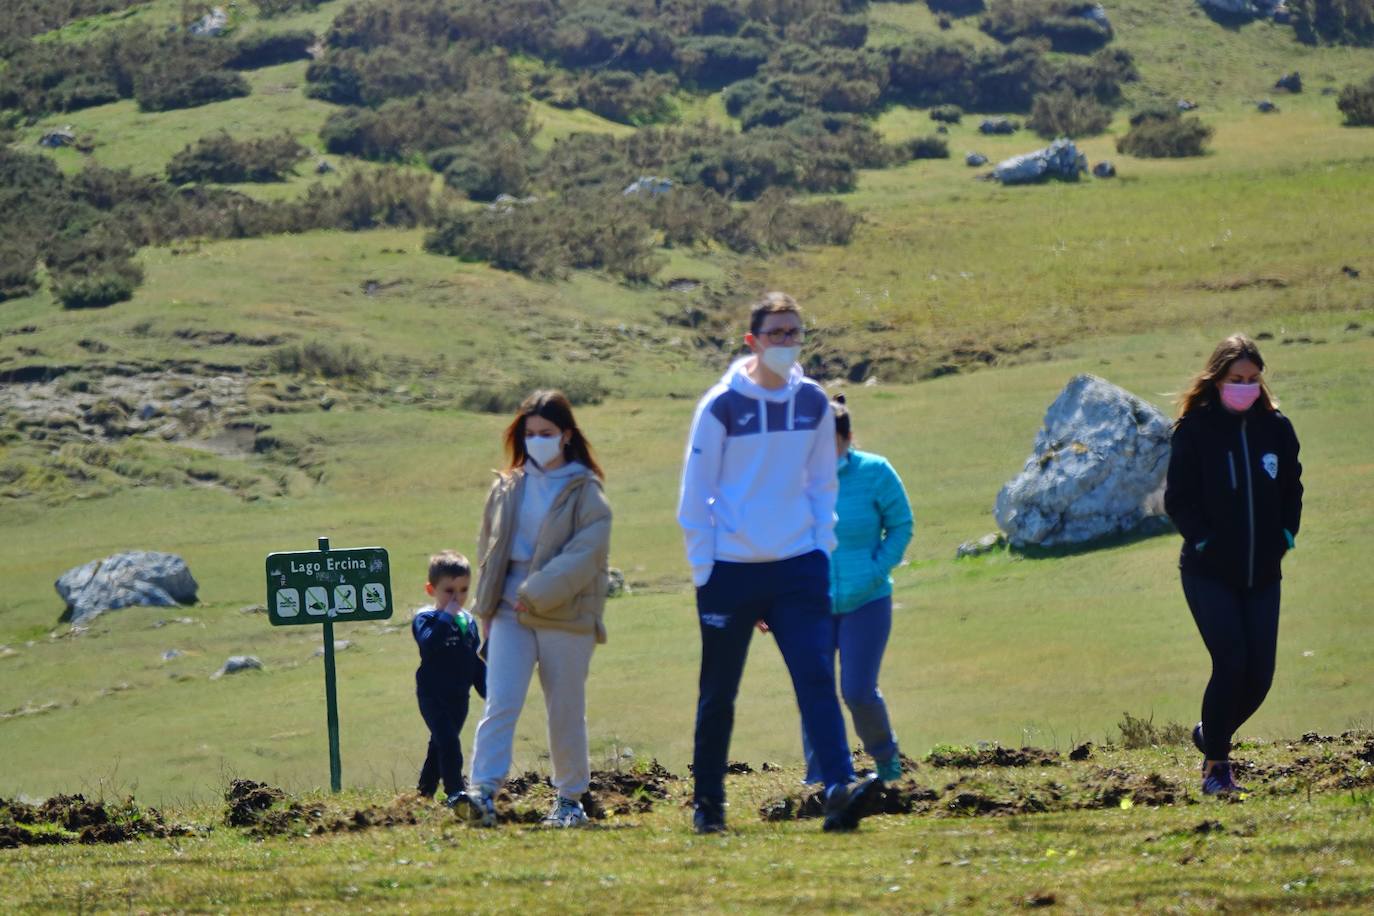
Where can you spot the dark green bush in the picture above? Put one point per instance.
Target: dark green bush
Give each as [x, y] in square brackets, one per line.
[1344, 22]
[1059, 21]
[221, 158]
[483, 171]
[1164, 135]
[84, 291]
[270, 49]
[406, 67]
[949, 114]
[1063, 114]
[403, 128]
[1356, 102]
[18, 275]
[931, 147]
[267, 9]
[178, 85]
[620, 95]
[956, 7]
[714, 61]
[366, 201]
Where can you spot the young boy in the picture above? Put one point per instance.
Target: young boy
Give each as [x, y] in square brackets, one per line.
[448, 640]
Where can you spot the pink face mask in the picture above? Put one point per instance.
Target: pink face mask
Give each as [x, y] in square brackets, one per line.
[1239, 397]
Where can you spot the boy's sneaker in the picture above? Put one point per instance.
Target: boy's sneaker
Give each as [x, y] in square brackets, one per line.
[890, 769]
[709, 816]
[847, 805]
[1197, 738]
[1219, 781]
[566, 812]
[479, 810]
[457, 798]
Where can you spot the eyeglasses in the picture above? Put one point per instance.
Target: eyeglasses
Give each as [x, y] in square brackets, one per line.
[783, 335]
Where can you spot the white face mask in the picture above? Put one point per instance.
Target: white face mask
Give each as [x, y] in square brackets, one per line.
[780, 359]
[543, 449]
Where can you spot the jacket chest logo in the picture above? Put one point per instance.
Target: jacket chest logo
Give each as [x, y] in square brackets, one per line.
[1270, 462]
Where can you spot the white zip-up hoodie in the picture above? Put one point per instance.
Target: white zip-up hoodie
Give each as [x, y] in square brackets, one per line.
[758, 481]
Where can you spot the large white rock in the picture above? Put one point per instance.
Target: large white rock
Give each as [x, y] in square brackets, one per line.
[138, 577]
[1097, 469]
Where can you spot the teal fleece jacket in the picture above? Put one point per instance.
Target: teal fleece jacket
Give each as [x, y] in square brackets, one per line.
[874, 525]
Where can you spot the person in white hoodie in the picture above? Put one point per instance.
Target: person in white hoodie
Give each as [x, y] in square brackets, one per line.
[757, 507]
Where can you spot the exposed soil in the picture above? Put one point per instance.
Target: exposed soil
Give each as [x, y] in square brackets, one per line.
[73, 819]
[971, 758]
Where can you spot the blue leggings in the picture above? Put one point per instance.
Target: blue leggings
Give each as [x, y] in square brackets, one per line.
[860, 638]
[793, 597]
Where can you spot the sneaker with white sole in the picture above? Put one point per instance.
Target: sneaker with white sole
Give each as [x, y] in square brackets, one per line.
[847, 805]
[566, 812]
[479, 809]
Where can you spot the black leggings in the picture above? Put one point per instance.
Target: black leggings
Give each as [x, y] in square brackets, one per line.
[1240, 627]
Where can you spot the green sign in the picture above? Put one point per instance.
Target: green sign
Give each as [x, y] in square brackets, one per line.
[314, 586]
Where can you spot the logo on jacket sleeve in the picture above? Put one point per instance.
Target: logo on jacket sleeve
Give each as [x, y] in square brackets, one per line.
[1270, 462]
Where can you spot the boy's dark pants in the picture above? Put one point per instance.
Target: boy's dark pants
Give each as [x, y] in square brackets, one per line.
[793, 597]
[444, 760]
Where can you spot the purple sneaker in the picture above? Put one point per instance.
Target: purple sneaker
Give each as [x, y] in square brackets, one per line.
[1220, 781]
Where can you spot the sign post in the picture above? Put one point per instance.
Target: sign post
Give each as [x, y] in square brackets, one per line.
[320, 586]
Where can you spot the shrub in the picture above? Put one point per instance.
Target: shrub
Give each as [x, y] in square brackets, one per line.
[1162, 135]
[177, 85]
[1356, 102]
[629, 98]
[219, 157]
[402, 128]
[17, 272]
[932, 147]
[1060, 21]
[714, 61]
[83, 291]
[485, 171]
[270, 49]
[956, 7]
[366, 201]
[1347, 22]
[495, 397]
[270, 8]
[1063, 114]
[322, 359]
[948, 114]
[406, 67]
[1139, 733]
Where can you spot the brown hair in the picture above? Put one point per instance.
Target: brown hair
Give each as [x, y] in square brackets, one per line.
[842, 427]
[1203, 390]
[448, 563]
[774, 303]
[554, 406]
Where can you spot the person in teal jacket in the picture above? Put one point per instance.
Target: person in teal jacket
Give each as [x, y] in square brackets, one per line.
[873, 526]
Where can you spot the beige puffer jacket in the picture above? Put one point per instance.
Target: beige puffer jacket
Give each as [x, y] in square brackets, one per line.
[569, 572]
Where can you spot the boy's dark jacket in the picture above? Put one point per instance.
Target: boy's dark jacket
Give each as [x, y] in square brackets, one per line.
[449, 665]
[1234, 486]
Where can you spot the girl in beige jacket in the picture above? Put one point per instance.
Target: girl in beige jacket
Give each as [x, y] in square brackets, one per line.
[541, 592]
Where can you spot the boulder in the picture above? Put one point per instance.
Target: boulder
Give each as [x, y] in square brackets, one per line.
[236, 663]
[1186, 105]
[1061, 159]
[57, 137]
[1291, 82]
[648, 184]
[615, 584]
[973, 160]
[1266, 107]
[142, 577]
[211, 24]
[1104, 169]
[1097, 469]
[998, 125]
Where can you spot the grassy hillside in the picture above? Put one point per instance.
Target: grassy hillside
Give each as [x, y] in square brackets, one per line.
[1132, 279]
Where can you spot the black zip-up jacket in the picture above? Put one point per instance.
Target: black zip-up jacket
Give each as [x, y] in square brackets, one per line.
[1234, 485]
[449, 664]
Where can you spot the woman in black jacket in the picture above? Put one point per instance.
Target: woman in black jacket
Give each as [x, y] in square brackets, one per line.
[1235, 492]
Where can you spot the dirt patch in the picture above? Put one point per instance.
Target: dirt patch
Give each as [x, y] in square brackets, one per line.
[73, 819]
[265, 810]
[896, 798]
[1234, 284]
[1111, 787]
[967, 758]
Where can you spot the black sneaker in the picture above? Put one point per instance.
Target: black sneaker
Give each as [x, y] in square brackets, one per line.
[709, 816]
[1197, 738]
[849, 804]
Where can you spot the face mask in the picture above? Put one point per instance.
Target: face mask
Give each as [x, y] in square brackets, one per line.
[1239, 397]
[780, 359]
[543, 449]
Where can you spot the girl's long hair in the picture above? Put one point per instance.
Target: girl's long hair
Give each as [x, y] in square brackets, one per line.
[1203, 390]
[554, 406]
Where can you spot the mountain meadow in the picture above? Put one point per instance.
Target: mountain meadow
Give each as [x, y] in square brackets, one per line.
[283, 270]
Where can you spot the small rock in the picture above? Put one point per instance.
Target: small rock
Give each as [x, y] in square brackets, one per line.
[1349, 271]
[1104, 169]
[323, 167]
[616, 586]
[171, 654]
[253, 609]
[236, 663]
[339, 646]
[998, 125]
[985, 544]
[1186, 105]
[1291, 82]
[57, 138]
[973, 160]
[1266, 107]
